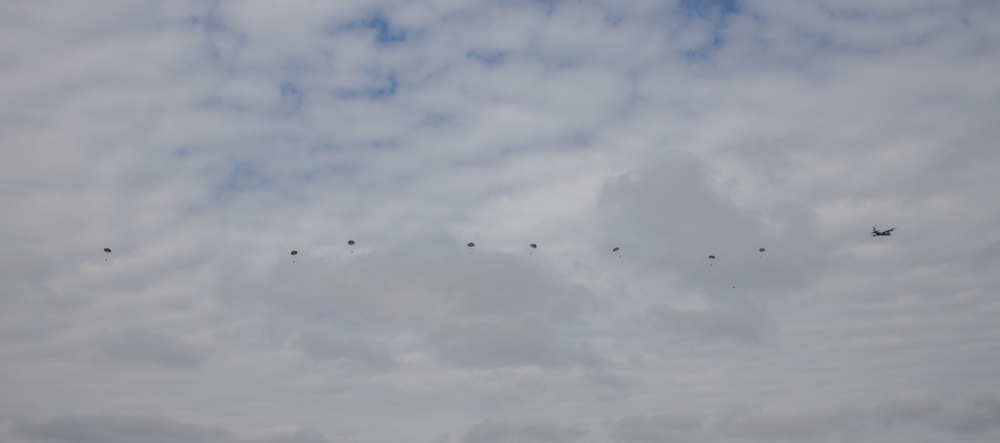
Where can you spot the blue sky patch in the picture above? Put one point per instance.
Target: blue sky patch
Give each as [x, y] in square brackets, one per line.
[386, 35]
[291, 98]
[329, 170]
[243, 177]
[436, 119]
[715, 13]
[712, 10]
[488, 58]
[385, 91]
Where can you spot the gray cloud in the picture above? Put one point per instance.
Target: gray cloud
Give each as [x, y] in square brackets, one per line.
[905, 409]
[608, 379]
[973, 414]
[110, 428]
[757, 426]
[36, 308]
[295, 435]
[936, 417]
[353, 353]
[740, 322]
[671, 217]
[153, 349]
[654, 428]
[113, 428]
[491, 431]
[476, 308]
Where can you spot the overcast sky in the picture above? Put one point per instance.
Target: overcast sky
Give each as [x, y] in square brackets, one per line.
[202, 141]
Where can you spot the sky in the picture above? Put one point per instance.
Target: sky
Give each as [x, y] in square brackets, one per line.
[202, 141]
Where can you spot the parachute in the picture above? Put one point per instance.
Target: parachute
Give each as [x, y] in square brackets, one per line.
[761, 250]
[351, 243]
[108, 250]
[711, 257]
[294, 253]
[471, 244]
[532, 246]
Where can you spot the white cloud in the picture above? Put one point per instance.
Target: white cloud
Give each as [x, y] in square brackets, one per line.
[202, 142]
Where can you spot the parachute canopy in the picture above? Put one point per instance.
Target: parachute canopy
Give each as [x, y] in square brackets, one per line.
[471, 244]
[711, 257]
[350, 242]
[107, 249]
[294, 252]
[533, 246]
[761, 249]
[615, 249]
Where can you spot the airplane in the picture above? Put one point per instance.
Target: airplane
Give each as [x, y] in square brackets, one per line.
[877, 233]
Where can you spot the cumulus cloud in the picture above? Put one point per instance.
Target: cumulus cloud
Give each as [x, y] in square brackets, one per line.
[676, 226]
[203, 141]
[672, 216]
[475, 308]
